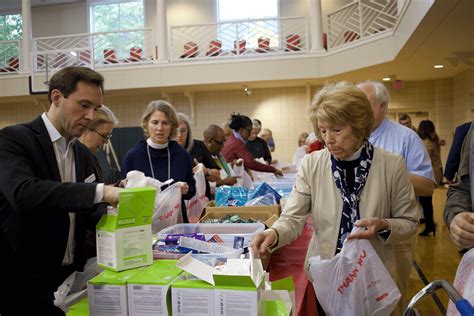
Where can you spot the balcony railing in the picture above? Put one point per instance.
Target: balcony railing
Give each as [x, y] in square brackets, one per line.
[360, 19]
[10, 52]
[93, 50]
[236, 39]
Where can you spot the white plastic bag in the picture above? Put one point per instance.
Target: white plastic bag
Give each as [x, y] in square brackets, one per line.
[243, 178]
[74, 288]
[354, 282]
[195, 206]
[167, 207]
[464, 281]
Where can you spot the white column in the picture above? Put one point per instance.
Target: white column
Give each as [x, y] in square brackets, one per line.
[161, 30]
[316, 29]
[27, 36]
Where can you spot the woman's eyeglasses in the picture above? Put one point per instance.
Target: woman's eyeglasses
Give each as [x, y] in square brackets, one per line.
[218, 142]
[106, 137]
[182, 130]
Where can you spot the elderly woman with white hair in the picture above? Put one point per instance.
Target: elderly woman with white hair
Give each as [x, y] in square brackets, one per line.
[349, 183]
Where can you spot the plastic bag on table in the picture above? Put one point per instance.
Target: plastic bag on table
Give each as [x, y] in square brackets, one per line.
[167, 208]
[354, 282]
[464, 281]
[231, 196]
[196, 205]
[74, 288]
[267, 199]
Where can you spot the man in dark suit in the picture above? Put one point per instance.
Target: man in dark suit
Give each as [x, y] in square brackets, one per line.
[454, 156]
[47, 192]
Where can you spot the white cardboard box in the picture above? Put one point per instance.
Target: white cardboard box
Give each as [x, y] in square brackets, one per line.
[148, 290]
[124, 238]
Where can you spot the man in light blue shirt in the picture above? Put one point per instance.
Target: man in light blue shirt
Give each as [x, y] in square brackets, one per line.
[399, 139]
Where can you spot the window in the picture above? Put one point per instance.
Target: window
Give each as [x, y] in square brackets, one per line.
[10, 30]
[229, 10]
[112, 16]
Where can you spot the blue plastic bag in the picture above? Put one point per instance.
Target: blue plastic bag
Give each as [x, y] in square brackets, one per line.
[263, 189]
[231, 196]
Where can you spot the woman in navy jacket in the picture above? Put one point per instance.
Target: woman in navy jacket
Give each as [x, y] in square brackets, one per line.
[158, 156]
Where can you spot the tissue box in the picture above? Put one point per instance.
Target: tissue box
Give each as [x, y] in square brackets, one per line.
[192, 296]
[237, 294]
[107, 293]
[81, 308]
[124, 239]
[148, 290]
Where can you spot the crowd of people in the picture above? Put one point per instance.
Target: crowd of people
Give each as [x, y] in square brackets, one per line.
[357, 168]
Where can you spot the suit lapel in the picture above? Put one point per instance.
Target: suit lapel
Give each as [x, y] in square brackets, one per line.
[47, 146]
[79, 162]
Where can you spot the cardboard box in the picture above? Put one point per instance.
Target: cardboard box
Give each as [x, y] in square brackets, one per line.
[107, 293]
[148, 290]
[273, 209]
[81, 308]
[267, 214]
[233, 294]
[192, 296]
[124, 239]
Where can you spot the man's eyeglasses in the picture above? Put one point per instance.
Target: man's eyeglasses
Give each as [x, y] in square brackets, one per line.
[106, 137]
[218, 142]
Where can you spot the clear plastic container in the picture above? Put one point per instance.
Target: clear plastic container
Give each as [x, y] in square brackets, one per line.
[226, 232]
[208, 258]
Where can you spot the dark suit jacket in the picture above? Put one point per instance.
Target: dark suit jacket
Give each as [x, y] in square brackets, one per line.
[454, 156]
[34, 219]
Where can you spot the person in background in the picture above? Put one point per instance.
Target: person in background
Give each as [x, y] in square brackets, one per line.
[256, 145]
[159, 156]
[301, 150]
[313, 143]
[227, 130]
[454, 156]
[458, 212]
[402, 141]
[405, 120]
[267, 136]
[234, 147]
[427, 132]
[47, 192]
[198, 152]
[97, 134]
[214, 139]
[349, 183]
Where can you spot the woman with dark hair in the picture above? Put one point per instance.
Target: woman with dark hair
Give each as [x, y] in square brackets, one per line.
[427, 132]
[234, 147]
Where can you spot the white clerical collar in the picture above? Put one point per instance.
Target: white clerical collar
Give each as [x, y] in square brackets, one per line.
[155, 145]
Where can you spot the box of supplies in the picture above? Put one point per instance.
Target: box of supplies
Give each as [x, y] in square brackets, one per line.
[124, 239]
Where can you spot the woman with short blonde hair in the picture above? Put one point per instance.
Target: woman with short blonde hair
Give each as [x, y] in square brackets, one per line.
[159, 156]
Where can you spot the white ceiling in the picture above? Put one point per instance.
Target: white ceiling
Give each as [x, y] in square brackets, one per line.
[445, 32]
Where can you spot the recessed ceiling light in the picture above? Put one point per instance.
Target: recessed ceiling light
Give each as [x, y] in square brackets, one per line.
[438, 66]
[386, 79]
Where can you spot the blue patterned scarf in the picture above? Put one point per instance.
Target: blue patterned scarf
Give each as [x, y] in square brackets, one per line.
[350, 198]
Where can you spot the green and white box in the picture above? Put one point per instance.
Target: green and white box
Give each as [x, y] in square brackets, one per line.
[148, 290]
[107, 293]
[237, 288]
[236, 295]
[124, 239]
[192, 296]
